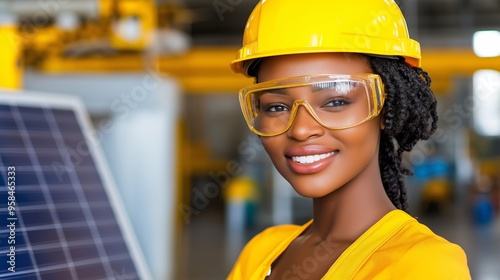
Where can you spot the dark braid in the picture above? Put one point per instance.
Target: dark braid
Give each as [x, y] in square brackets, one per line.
[409, 116]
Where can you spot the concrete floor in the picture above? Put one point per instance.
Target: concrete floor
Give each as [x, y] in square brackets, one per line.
[208, 256]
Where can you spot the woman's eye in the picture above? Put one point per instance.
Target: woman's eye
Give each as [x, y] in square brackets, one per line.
[337, 103]
[276, 108]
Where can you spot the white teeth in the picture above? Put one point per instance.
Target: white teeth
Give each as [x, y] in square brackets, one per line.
[312, 158]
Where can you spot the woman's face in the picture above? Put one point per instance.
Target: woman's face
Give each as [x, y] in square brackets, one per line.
[342, 155]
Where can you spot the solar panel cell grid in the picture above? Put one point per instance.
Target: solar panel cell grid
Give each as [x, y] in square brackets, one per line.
[65, 225]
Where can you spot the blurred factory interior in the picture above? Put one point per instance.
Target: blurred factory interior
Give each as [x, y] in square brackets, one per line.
[154, 78]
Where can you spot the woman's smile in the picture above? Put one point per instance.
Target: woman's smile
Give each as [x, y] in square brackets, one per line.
[310, 159]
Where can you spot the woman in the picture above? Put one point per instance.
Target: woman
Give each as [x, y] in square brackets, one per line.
[339, 96]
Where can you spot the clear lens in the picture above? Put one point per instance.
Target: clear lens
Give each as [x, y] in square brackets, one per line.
[335, 101]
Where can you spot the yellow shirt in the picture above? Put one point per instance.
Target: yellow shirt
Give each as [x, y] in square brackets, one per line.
[396, 247]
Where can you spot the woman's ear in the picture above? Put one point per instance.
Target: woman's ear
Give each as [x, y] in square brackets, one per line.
[382, 119]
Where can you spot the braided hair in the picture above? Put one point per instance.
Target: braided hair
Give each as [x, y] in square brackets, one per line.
[409, 116]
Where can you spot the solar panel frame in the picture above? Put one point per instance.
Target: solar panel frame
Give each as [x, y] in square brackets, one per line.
[73, 104]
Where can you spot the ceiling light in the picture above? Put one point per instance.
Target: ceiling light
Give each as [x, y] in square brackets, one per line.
[487, 43]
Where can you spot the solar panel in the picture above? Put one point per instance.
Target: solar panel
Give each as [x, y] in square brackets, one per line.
[60, 214]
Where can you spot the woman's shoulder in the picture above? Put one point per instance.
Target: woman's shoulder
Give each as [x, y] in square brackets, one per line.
[422, 238]
[398, 246]
[438, 257]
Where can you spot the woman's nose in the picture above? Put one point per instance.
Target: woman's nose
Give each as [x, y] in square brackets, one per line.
[305, 126]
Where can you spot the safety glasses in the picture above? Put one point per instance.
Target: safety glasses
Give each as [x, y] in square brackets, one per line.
[334, 101]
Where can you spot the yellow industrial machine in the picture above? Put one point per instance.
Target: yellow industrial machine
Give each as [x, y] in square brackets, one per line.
[41, 32]
[133, 25]
[10, 57]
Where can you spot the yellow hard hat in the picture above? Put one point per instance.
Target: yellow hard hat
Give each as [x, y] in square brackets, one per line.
[281, 27]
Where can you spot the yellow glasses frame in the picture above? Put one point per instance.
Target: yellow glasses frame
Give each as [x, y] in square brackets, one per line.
[373, 84]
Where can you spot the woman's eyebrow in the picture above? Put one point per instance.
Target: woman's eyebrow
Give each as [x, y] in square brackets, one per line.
[275, 91]
[321, 86]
